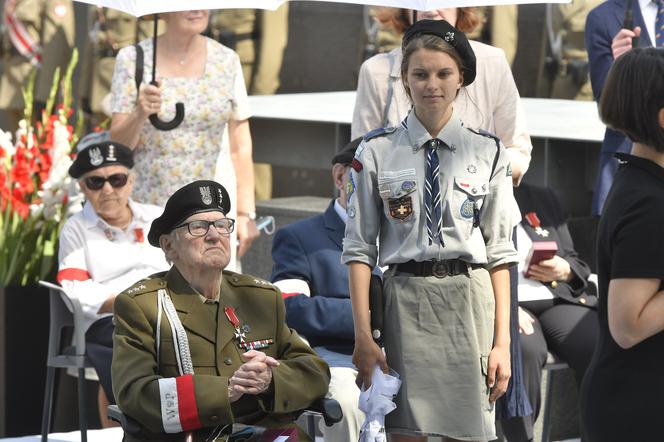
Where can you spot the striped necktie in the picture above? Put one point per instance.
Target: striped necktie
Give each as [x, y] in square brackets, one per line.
[659, 24]
[432, 193]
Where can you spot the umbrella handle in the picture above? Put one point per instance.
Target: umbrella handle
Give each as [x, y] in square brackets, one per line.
[168, 125]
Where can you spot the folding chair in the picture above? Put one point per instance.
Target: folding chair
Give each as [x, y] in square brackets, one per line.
[66, 314]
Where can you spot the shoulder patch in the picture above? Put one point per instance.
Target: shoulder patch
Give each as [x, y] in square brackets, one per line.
[240, 280]
[378, 133]
[147, 285]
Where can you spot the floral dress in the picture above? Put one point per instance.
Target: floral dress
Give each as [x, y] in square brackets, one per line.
[167, 160]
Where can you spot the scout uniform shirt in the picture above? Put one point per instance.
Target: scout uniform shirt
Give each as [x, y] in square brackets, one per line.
[386, 198]
[149, 386]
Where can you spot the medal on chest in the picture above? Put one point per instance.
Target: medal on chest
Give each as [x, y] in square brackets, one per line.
[533, 220]
[241, 331]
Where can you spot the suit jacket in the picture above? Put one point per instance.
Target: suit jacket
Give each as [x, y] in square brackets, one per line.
[150, 389]
[545, 204]
[602, 24]
[310, 250]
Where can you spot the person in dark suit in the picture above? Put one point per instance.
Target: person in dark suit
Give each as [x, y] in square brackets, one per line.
[556, 311]
[606, 40]
[314, 282]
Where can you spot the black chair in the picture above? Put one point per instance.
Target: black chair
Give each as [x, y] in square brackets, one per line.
[66, 316]
[329, 409]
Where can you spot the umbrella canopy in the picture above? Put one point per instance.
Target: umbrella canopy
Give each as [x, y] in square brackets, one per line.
[139, 8]
[428, 5]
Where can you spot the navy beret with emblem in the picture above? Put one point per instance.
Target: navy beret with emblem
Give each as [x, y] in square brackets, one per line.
[453, 37]
[347, 153]
[102, 154]
[197, 197]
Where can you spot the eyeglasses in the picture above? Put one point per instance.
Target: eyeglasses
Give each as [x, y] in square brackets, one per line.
[116, 180]
[224, 226]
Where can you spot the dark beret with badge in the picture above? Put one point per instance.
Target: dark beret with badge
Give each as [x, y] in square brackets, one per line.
[96, 155]
[197, 197]
[452, 36]
[347, 153]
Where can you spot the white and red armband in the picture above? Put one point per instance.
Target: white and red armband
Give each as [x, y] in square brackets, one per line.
[179, 411]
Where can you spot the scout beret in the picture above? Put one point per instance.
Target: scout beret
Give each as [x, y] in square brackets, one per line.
[452, 36]
[197, 197]
[347, 153]
[96, 155]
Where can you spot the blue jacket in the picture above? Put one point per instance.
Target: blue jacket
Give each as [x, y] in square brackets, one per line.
[310, 250]
[602, 24]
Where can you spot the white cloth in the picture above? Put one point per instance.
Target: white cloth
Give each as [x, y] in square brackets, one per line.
[649, 13]
[97, 260]
[376, 402]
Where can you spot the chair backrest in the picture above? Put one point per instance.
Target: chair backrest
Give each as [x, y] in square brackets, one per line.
[66, 313]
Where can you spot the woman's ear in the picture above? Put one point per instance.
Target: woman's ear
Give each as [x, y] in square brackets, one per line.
[660, 118]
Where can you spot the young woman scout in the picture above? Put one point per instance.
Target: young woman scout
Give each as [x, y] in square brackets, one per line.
[437, 197]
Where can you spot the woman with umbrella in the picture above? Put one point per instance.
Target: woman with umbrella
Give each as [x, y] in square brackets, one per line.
[207, 78]
[437, 197]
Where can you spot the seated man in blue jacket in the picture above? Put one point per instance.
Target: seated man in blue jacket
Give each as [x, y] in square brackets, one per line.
[314, 283]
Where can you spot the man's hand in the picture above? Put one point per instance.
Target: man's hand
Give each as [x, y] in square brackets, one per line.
[247, 232]
[499, 371]
[253, 377]
[554, 269]
[366, 355]
[525, 322]
[622, 42]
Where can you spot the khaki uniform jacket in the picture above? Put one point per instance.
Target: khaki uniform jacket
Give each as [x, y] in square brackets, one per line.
[491, 102]
[153, 392]
[98, 62]
[51, 23]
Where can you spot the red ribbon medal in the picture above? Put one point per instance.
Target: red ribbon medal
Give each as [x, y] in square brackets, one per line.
[235, 322]
[534, 222]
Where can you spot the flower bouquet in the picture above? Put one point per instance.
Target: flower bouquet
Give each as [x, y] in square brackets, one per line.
[36, 192]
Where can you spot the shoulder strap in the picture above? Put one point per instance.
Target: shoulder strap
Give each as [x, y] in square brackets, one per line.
[138, 75]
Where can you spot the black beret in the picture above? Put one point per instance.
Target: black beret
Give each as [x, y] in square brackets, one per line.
[452, 36]
[197, 197]
[96, 155]
[347, 153]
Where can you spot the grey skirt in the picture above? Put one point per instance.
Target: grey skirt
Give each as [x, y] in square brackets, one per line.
[438, 335]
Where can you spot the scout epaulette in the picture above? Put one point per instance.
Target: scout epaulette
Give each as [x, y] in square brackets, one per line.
[497, 141]
[378, 133]
[150, 284]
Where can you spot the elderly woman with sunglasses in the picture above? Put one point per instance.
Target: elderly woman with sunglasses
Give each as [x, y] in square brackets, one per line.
[103, 248]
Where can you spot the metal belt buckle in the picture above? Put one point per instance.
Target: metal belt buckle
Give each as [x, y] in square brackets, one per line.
[439, 269]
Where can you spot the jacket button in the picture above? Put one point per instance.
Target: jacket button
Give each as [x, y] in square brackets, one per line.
[214, 417]
[228, 361]
[582, 300]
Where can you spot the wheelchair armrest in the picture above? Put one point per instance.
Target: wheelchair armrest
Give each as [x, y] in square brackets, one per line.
[129, 425]
[329, 409]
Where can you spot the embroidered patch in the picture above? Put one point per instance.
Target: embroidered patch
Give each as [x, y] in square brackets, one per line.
[356, 165]
[408, 186]
[466, 210]
[350, 189]
[401, 208]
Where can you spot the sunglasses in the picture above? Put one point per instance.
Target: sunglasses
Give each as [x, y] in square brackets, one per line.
[97, 182]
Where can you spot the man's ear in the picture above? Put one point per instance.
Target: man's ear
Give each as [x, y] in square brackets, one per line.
[338, 171]
[166, 244]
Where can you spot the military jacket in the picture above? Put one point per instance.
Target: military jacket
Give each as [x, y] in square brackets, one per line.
[386, 200]
[51, 24]
[150, 388]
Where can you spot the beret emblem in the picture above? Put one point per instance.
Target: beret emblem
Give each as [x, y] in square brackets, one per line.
[111, 153]
[206, 195]
[95, 156]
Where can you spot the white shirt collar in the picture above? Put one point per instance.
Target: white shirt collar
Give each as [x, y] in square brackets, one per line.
[340, 211]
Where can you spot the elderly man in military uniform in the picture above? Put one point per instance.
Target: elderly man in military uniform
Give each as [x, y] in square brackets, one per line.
[197, 348]
[111, 31]
[36, 34]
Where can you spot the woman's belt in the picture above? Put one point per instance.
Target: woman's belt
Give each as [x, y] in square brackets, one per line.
[439, 269]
